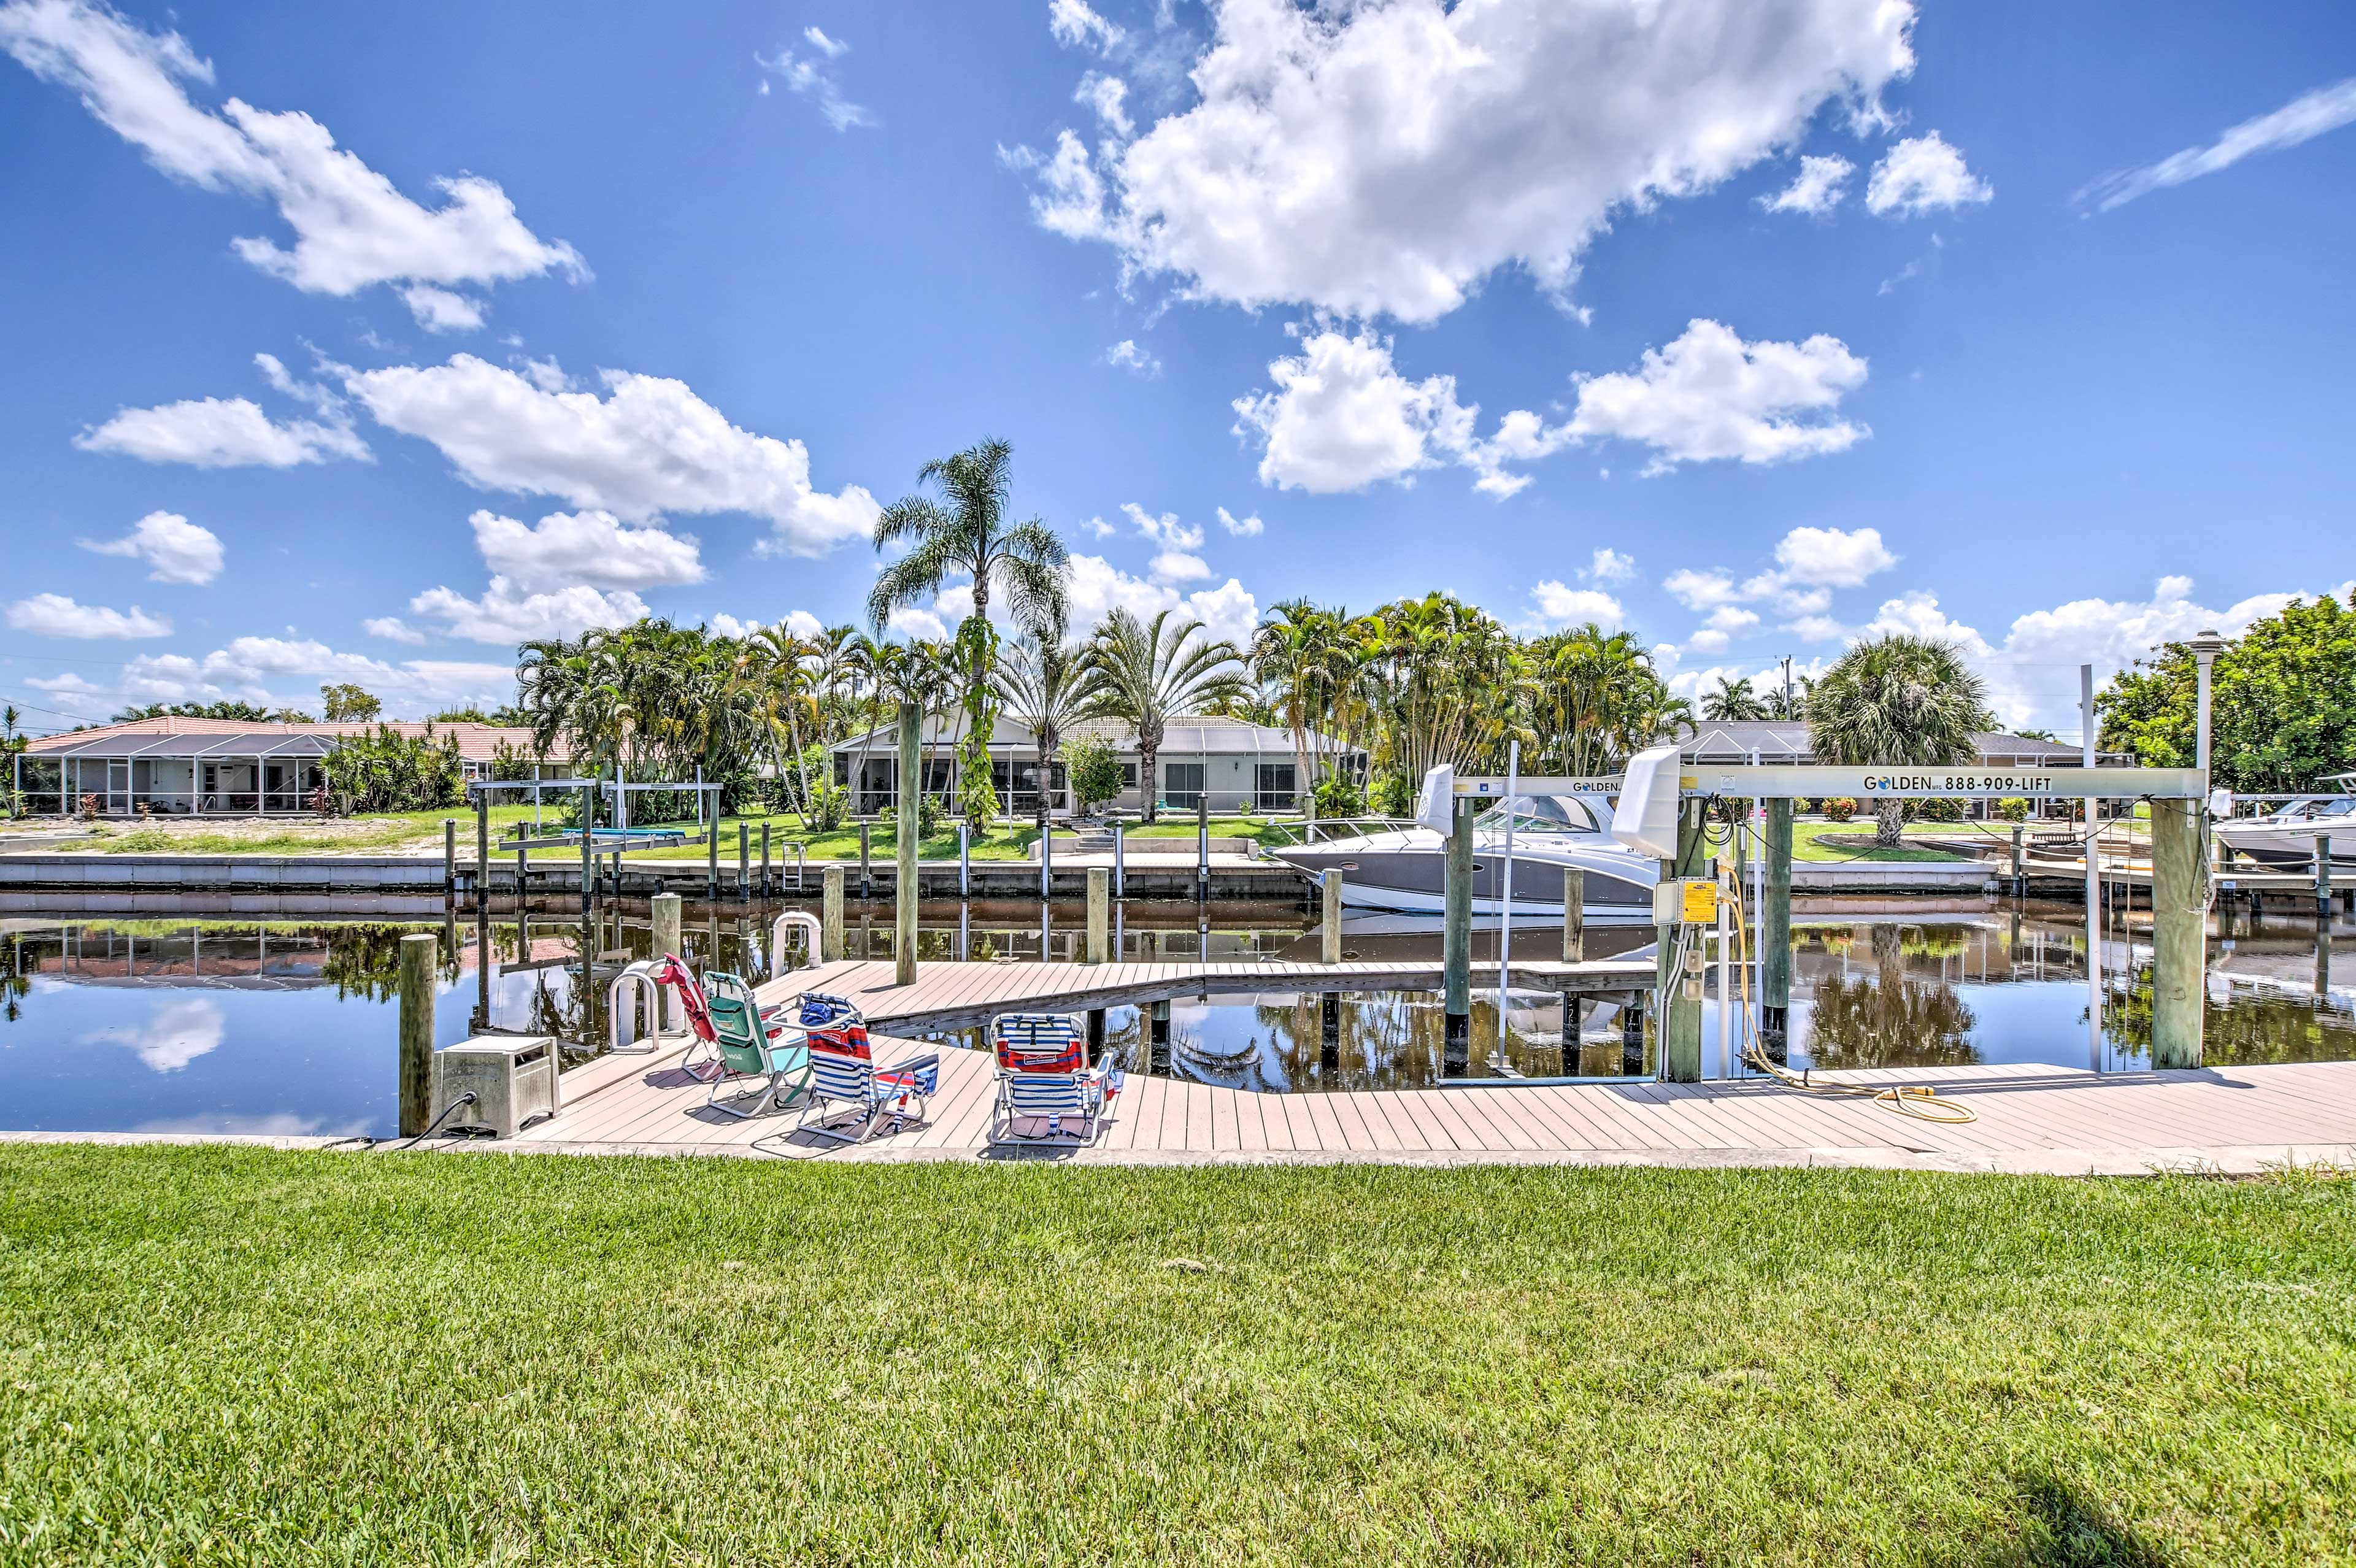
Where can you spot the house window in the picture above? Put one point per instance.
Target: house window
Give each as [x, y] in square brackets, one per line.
[1128, 777]
[1181, 784]
[1275, 789]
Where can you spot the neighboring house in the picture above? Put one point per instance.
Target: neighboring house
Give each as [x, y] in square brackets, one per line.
[219, 766]
[1241, 766]
[1777, 741]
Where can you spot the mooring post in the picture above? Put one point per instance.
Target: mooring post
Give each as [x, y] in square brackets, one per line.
[1331, 946]
[1775, 935]
[905, 835]
[418, 962]
[830, 933]
[2323, 878]
[866, 872]
[744, 859]
[2179, 946]
[1456, 936]
[1631, 1034]
[965, 858]
[482, 909]
[449, 862]
[668, 922]
[1119, 874]
[711, 861]
[2019, 865]
[765, 860]
[1159, 1034]
[1046, 857]
[1099, 915]
[523, 877]
[1678, 1028]
[1574, 915]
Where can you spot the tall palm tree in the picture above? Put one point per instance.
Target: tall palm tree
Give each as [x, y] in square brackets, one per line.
[968, 532]
[1307, 662]
[1734, 702]
[1900, 700]
[1040, 682]
[1146, 673]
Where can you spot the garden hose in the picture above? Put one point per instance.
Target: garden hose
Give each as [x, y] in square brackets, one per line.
[1917, 1100]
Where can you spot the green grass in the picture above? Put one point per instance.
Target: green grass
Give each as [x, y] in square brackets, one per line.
[232, 1356]
[1805, 848]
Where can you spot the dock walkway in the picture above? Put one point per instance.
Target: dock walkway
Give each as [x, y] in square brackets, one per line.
[2031, 1118]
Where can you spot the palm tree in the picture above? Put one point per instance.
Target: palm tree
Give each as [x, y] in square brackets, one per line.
[1308, 662]
[1040, 682]
[1145, 674]
[1900, 700]
[968, 532]
[1732, 702]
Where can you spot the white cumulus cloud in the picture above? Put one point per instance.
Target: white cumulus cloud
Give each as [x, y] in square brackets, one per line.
[1373, 159]
[1709, 394]
[1922, 174]
[176, 550]
[1558, 605]
[649, 446]
[594, 548]
[1129, 356]
[796, 622]
[1098, 588]
[1242, 527]
[1609, 565]
[352, 229]
[1073, 23]
[1816, 190]
[289, 670]
[55, 615]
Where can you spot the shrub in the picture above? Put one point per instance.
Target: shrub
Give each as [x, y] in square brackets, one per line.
[977, 798]
[1394, 794]
[384, 770]
[928, 816]
[1339, 796]
[2013, 808]
[1841, 810]
[1093, 770]
[1937, 809]
[828, 804]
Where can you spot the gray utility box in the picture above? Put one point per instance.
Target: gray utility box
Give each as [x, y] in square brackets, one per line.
[512, 1077]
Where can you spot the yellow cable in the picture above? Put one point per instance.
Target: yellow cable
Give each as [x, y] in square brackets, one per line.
[1917, 1100]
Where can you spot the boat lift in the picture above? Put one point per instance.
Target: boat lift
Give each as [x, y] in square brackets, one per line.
[1661, 811]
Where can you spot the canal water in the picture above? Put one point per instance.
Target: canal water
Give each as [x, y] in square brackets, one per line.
[289, 1027]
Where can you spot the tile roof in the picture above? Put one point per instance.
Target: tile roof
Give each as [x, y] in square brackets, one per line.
[175, 736]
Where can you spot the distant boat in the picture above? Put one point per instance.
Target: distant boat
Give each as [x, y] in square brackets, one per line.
[1402, 866]
[2287, 835]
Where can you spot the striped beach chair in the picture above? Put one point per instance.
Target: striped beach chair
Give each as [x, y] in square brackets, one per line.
[746, 1054]
[851, 1098]
[1048, 1092]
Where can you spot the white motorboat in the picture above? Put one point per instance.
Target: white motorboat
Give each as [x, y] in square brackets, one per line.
[1402, 866]
[2287, 835]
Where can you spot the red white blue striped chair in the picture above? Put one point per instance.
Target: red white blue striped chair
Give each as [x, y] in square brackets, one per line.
[851, 1098]
[1048, 1092]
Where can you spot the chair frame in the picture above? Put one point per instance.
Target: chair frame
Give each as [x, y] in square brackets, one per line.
[1025, 1091]
[877, 1095]
[784, 1073]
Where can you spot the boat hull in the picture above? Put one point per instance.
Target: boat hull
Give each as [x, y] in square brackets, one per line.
[1413, 879]
[2290, 844]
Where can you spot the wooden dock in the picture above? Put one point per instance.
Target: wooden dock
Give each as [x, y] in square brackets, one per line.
[2031, 1118]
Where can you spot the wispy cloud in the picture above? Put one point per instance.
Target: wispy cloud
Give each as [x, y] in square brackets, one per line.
[811, 78]
[2301, 120]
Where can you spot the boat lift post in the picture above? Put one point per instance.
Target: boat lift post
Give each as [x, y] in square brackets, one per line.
[1671, 827]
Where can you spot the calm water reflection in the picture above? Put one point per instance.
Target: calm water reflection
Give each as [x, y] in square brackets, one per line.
[289, 1027]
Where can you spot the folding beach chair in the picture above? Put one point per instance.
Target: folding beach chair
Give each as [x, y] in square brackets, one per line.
[1048, 1092]
[851, 1098]
[743, 1046]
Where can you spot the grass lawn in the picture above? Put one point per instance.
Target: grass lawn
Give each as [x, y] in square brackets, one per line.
[1005, 842]
[236, 1356]
[1805, 845]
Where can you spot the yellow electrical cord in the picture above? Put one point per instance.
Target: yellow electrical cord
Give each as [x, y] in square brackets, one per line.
[1917, 1100]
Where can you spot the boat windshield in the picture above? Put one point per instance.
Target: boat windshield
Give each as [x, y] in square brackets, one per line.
[1542, 813]
[2293, 811]
[2336, 808]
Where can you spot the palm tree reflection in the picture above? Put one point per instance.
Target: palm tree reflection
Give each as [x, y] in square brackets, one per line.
[1890, 1021]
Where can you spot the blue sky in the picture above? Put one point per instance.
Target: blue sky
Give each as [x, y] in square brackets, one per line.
[361, 343]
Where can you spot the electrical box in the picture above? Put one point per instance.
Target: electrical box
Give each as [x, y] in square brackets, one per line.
[512, 1077]
[1691, 900]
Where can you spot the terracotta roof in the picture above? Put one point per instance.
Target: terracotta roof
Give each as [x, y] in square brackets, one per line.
[476, 742]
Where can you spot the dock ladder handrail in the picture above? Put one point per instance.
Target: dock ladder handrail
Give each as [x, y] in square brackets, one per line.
[793, 919]
[635, 991]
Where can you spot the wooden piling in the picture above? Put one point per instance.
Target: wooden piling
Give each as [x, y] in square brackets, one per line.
[1331, 948]
[1100, 914]
[2323, 878]
[418, 962]
[744, 859]
[2179, 946]
[829, 920]
[667, 923]
[765, 861]
[449, 862]
[1678, 1028]
[905, 837]
[711, 861]
[1574, 915]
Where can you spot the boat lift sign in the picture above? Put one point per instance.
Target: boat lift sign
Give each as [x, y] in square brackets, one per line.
[1785, 783]
[1774, 783]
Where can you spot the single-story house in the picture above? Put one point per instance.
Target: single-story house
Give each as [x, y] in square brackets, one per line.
[1787, 742]
[1240, 767]
[219, 766]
